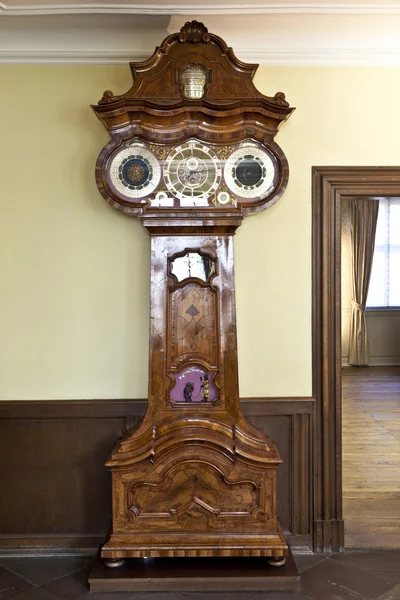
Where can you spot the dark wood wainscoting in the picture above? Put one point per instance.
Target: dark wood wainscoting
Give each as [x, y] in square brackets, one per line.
[55, 490]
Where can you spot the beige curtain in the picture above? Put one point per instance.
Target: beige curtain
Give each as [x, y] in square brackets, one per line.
[363, 219]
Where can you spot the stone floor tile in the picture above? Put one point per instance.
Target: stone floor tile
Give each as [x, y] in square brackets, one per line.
[367, 575]
[280, 596]
[43, 570]
[217, 595]
[385, 563]
[35, 593]
[11, 584]
[108, 596]
[160, 596]
[332, 580]
[71, 586]
[393, 594]
[305, 561]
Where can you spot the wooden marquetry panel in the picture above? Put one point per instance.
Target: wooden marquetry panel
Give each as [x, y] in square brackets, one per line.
[194, 495]
[193, 329]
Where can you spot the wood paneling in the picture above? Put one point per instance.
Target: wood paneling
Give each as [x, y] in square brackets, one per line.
[52, 456]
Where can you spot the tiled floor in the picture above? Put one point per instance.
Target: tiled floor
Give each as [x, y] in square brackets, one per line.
[369, 575]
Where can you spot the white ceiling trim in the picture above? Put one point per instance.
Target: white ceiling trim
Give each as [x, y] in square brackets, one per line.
[200, 9]
[314, 57]
[71, 57]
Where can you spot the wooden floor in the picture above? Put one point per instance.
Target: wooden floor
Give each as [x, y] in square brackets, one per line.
[371, 456]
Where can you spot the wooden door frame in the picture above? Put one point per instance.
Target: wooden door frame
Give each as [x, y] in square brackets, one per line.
[329, 186]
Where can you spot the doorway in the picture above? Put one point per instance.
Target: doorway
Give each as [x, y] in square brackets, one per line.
[371, 394]
[330, 186]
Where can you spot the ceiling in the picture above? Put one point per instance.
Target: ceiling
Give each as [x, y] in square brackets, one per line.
[275, 33]
[34, 7]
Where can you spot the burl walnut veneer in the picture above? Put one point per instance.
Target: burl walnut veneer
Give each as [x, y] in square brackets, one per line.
[192, 152]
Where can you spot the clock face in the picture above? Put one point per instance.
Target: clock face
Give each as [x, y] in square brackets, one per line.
[250, 171]
[192, 173]
[134, 171]
[143, 176]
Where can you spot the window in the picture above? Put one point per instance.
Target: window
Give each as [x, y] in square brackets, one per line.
[384, 287]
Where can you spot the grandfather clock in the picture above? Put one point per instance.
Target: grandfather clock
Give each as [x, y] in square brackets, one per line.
[192, 152]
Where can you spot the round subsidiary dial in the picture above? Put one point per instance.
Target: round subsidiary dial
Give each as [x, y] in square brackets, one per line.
[250, 172]
[192, 172]
[134, 171]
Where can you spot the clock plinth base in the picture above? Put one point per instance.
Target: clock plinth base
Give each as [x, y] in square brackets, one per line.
[195, 574]
[195, 488]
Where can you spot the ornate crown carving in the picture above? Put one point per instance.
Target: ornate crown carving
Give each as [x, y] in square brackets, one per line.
[108, 97]
[280, 99]
[194, 32]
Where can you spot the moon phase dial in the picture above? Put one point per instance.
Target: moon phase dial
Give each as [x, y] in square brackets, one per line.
[192, 173]
[250, 172]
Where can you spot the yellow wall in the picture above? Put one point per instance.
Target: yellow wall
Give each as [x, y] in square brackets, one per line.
[74, 272]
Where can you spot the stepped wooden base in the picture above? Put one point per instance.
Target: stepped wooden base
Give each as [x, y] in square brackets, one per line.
[194, 574]
[194, 488]
[195, 545]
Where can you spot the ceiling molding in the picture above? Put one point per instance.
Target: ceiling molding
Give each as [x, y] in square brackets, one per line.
[238, 8]
[71, 57]
[276, 39]
[314, 57]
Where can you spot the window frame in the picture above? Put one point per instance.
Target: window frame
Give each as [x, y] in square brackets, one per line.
[385, 308]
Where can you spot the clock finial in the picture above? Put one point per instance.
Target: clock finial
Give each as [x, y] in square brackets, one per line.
[194, 32]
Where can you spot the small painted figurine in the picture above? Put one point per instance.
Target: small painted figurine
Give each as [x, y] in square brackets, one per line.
[205, 388]
[188, 391]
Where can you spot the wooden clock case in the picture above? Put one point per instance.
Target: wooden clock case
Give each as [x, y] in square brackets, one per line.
[194, 478]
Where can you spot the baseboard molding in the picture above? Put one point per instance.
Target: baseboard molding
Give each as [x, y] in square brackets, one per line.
[18, 546]
[377, 361]
[88, 545]
[384, 361]
[300, 544]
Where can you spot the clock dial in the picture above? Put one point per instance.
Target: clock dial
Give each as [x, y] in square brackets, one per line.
[134, 171]
[223, 197]
[250, 171]
[192, 172]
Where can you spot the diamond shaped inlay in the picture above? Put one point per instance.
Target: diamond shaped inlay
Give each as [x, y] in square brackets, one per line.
[192, 311]
[193, 329]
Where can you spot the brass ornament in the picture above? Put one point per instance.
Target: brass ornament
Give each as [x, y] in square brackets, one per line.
[135, 173]
[193, 79]
[160, 151]
[222, 151]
